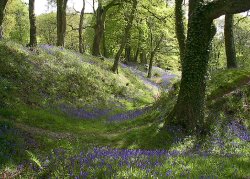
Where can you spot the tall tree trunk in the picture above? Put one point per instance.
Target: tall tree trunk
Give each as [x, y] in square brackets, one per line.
[229, 41]
[128, 53]
[152, 54]
[98, 29]
[137, 54]
[80, 31]
[143, 57]
[179, 27]
[128, 49]
[189, 110]
[138, 47]
[104, 47]
[125, 37]
[3, 4]
[150, 67]
[61, 22]
[32, 18]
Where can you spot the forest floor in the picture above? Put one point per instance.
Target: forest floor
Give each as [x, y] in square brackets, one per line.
[123, 139]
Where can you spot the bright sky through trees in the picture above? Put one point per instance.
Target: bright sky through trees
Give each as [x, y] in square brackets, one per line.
[42, 7]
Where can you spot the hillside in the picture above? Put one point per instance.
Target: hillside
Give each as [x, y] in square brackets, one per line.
[55, 78]
[57, 104]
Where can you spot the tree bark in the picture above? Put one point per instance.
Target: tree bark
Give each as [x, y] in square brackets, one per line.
[229, 42]
[3, 4]
[61, 22]
[152, 54]
[179, 27]
[128, 53]
[100, 25]
[32, 18]
[104, 47]
[143, 57]
[140, 34]
[137, 54]
[80, 31]
[189, 109]
[98, 29]
[125, 37]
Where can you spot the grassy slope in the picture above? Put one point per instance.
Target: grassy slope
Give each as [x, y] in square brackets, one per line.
[54, 76]
[40, 130]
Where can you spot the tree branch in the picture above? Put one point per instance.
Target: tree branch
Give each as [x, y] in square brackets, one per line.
[242, 18]
[218, 8]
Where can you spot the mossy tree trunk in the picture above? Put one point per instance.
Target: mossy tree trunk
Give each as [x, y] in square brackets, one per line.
[80, 30]
[189, 109]
[3, 4]
[229, 41]
[125, 37]
[32, 18]
[61, 22]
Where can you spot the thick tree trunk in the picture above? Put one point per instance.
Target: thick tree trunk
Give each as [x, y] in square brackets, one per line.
[61, 22]
[179, 27]
[3, 4]
[125, 37]
[80, 31]
[189, 110]
[32, 18]
[99, 30]
[229, 42]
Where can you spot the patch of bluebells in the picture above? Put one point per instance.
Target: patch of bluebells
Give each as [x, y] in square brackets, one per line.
[129, 115]
[13, 143]
[91, 113]
[48, 48]
[106, 162]
[85, 112]
[166, 77]
[239, 130]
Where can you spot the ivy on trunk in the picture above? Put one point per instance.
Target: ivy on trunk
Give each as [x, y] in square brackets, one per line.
[3, 4]
[189, 109]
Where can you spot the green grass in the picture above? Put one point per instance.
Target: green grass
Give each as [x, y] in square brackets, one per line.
[59, 76]
[26, 115]
[226, 81]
